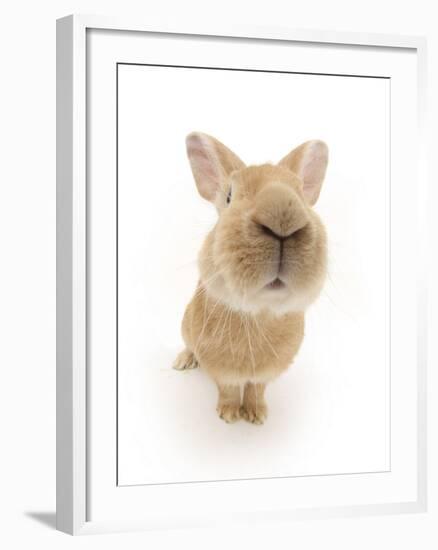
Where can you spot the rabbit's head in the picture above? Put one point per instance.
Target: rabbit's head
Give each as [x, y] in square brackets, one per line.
[268, 247]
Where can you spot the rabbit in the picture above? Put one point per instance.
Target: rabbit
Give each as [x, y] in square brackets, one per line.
[261, 266]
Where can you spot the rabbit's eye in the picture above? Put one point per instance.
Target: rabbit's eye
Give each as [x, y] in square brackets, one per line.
[229, 196]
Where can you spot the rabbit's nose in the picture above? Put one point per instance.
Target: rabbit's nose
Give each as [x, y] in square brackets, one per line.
[275, 210]
[272, 233]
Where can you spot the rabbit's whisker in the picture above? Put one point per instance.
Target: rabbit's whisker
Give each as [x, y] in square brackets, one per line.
[264, 336]
[204, 324]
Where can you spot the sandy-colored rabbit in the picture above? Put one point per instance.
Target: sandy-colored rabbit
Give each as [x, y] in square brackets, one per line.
[260, 266]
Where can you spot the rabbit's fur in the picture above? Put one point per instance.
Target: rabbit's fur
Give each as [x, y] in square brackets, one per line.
[260, 266]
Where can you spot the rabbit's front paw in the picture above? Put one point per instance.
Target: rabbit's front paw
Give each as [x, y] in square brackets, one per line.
[256, 414]
[254, 408]
[185, 360]
[230, 412]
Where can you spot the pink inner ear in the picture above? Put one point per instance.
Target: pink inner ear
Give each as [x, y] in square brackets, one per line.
[204, 168]
[312, 177]
[203, 164]
[313, 169]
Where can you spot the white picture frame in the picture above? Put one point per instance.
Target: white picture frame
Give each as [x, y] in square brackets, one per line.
[75, 400]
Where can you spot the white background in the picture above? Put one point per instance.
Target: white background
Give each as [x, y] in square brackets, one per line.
[27, 298]
[320, 421]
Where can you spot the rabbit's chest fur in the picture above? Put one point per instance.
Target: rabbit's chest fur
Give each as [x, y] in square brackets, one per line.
[237, 347]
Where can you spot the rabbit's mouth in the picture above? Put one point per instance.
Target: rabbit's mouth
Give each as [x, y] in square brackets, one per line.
[276, 284]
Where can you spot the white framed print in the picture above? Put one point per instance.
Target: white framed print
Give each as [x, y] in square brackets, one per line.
[241, 325]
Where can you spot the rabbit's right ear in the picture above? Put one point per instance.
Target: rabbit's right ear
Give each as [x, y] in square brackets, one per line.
[211, 163]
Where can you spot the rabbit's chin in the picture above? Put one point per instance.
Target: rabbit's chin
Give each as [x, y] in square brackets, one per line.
[279, 301]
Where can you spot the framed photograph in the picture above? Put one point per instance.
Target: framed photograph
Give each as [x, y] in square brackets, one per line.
[241, 325]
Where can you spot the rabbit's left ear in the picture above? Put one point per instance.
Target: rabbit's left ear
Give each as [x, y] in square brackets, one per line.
[309, 161]
[211, 162]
